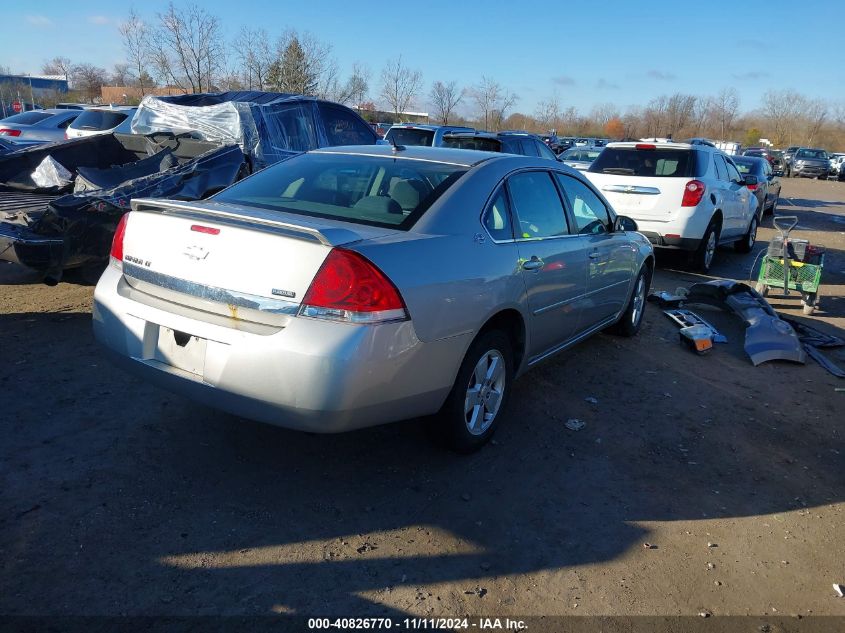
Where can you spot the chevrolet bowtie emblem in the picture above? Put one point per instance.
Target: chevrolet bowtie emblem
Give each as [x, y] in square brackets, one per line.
[196, 252]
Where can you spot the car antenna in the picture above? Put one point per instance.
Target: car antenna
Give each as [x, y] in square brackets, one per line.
[396, 148]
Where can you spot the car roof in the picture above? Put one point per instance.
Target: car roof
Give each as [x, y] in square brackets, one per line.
[657, 145]
[429, 126]
[109, 108]
[464, 157]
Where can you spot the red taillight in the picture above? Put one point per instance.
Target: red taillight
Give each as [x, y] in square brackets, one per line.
[199, 228]
[751, 187]
[66, 136]
[645, 146]
[5, 131]
[693, 193]
[117, 242]
[348, 287]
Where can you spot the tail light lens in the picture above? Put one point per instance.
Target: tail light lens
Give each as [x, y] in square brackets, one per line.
[5, 131]
[693, 193]
[116, 253]
[350, 288]
[751, 187]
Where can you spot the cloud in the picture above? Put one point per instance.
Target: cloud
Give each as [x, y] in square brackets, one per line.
[661, 75]
[752, 75]
[603, 84]
[98, 19]
[39, 20]
[563, 80]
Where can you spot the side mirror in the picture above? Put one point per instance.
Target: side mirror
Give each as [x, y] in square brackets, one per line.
[624, 223]
[750, 180]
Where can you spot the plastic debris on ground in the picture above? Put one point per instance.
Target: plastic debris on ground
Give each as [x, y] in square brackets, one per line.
[51, 173]
[574, 424]
[839, 589]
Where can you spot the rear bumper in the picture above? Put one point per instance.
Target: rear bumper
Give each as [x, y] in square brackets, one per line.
[675, 243]
[310, 375]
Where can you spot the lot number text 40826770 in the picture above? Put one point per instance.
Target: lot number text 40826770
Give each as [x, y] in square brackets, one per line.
[419, 624]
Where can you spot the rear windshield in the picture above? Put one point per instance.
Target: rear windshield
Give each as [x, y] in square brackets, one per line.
[27, 118]
[628, 161]
[409, 136]
[98, 120]
[374, 190]
[473, 142]
[819, 154]
[744, 167]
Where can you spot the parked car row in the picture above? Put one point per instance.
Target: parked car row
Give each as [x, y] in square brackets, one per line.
[56, 124]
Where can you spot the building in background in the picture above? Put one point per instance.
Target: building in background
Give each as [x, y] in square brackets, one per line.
[27, 90]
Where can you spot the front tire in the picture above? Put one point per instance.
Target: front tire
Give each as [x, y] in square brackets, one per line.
[746, 244]
[706, 253]
[631, 320]
[472, 411]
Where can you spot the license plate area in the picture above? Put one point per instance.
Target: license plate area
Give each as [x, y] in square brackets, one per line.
[181, 350]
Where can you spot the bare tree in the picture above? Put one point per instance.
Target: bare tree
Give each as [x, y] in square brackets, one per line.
[548, 113]
[603, 113]
[58, 66]
[188, 47]
[121, 75]
[783, 110]
[493, 101]
[679, 112]
[89, 80]
[815, 113]
[445, 98]
[725, 108]
[253, 50]
[136, 42]
[400, 85]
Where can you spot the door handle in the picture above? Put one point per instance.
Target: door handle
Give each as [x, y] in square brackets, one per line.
[533, 264]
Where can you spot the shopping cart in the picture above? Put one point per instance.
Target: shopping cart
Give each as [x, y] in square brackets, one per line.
[792, 264]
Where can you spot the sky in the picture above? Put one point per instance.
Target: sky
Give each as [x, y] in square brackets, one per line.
[585, 53]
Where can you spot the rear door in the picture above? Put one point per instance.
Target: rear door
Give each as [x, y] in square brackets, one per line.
[610, 258]
[551, 258]
[743, 207]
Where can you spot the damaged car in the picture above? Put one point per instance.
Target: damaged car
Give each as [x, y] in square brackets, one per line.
[60, 203]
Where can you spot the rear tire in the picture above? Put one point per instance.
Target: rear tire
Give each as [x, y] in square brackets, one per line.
[774, 207]
[706, 253]
[472, 411]
[632, 318]
[746, 244]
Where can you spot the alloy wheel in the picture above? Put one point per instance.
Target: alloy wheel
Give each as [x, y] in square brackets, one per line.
[484, 392]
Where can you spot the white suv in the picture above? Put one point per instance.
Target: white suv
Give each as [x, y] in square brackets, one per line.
[687, 196]
[101, 121]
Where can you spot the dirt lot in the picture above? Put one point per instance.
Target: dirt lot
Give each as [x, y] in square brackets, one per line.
[118, 498]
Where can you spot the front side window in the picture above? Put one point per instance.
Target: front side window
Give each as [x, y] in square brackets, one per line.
[497, 218]
[537, 205]
[591, 216]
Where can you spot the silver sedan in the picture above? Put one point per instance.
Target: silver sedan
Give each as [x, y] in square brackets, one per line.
[349, 287]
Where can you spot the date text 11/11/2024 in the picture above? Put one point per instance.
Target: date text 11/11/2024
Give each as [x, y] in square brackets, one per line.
[420, 624]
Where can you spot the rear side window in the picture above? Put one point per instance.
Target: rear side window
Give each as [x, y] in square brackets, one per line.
[98, 120]
[497, 218]
[545, 152]
[27, 118]
[344, 128]
[66, 123]
[591, 216]
[721, 167]
[379, 191]
[409, 136]
[733, 174]
[528, 147]
[660, 163]
[537, 205]
[511, 146]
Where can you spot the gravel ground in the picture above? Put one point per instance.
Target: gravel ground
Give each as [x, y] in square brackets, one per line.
[698, 483]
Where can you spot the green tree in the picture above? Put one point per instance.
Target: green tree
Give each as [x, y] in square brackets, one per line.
[293, 72]
[752, 137]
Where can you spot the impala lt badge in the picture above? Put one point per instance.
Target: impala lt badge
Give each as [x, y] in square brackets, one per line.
[196, 252]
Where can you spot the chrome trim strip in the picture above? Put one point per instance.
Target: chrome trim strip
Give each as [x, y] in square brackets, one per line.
[646, 191]
[209, 293]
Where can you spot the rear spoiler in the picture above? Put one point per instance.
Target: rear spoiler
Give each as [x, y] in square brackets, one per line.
[252, 218]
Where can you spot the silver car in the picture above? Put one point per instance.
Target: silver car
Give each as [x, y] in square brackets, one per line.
[38, 125]
[349, 287]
